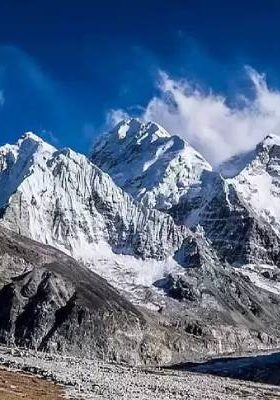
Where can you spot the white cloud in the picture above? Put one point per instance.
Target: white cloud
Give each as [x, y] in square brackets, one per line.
[214, 128]
[115, 116]
[2, 98]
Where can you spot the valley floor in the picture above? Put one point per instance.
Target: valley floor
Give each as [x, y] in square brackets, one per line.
[87, 379]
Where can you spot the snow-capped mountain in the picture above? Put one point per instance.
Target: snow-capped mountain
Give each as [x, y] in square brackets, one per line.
[148, 163]
[60, 198]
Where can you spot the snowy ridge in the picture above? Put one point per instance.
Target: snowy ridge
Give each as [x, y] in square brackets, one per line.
[19, 160]
[148, 163]
[60, 198]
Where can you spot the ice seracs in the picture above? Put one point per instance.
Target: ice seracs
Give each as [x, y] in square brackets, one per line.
[153, 166]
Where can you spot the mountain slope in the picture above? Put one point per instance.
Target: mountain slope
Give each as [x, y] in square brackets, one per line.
[148, 163]
[61, 198]
[51, 302]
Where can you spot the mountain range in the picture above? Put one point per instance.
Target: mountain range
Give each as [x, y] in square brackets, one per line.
[191, 253]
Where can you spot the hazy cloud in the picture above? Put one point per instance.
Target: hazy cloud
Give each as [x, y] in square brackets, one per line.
[2, 98]
[115, 116]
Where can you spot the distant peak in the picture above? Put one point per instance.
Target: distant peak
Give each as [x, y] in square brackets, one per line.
[232, 167]
[31, 140]
[127, 127]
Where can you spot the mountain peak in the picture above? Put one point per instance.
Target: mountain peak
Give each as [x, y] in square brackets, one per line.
[269, 141]
[30, 142]
[29, 136]
[126, 127]
[135, 129]
[148, 162]
[238, 163]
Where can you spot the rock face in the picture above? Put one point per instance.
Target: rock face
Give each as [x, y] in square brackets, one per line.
[237, 233]
[148, 163]
[239, 209]
[66, 310]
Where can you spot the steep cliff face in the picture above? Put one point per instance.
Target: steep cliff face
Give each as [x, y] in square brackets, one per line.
[238, 234]
[60, 198]
[148, 163]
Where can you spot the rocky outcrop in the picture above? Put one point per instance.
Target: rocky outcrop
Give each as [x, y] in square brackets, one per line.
[68, 309]
[63, 307]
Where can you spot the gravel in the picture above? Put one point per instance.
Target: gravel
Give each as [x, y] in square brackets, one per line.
[91, 379]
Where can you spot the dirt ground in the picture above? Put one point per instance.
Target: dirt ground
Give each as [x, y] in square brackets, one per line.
[18, 386]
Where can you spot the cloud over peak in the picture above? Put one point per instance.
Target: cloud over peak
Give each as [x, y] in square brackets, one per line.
[207, 121]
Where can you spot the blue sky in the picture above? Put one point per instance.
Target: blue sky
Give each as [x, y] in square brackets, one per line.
[65, 64]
